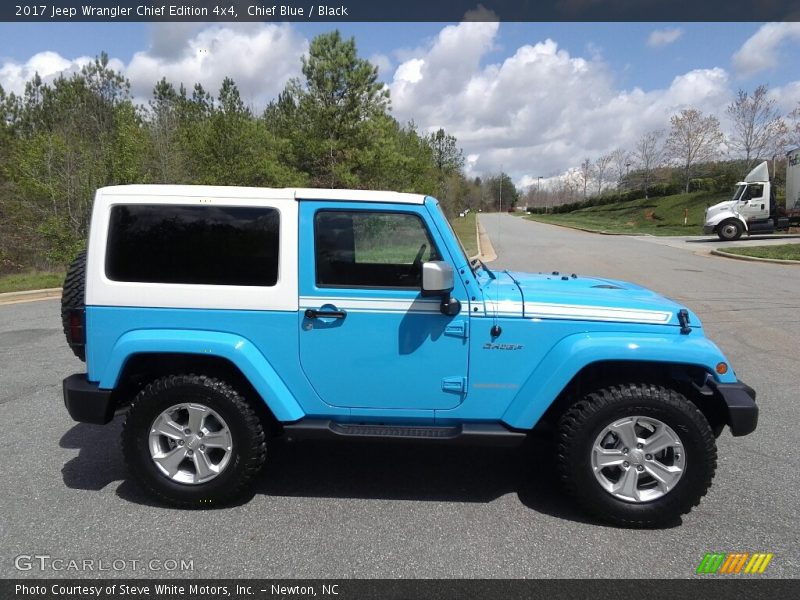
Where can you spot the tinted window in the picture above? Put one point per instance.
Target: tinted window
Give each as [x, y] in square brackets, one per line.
[371, 249]
[217, 245]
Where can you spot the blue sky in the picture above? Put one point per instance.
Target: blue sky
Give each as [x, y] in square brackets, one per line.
[509, 95]
[622, 45]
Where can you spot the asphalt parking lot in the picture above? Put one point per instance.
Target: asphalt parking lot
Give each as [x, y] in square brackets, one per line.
[351, 510]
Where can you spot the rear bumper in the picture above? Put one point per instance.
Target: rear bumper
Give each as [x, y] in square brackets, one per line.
[86, 402]
[740, 400]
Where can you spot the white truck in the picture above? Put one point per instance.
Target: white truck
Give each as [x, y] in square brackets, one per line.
[753, 208]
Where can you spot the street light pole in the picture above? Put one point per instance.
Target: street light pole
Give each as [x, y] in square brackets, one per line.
[538, 186]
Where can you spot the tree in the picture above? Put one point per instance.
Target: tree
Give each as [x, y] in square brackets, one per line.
[793, 133]
[447, 159]
[620, 161]
[330, 110]
[447, 156]
[500, 192]
[585, 173]
[758, 129]
[693, 139]
[601, 166]
[648, 155]
[163, 123]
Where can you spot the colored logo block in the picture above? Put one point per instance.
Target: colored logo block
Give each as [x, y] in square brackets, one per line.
[734, 563]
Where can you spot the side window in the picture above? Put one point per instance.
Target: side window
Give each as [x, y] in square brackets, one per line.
[371, 249]
[216, 245]
[755, 190]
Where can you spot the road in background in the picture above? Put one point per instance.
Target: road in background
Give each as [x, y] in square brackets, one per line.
[384, 510]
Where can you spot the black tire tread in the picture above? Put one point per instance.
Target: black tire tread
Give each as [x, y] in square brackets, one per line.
[73, 297]
[571, 427]
[257, 451]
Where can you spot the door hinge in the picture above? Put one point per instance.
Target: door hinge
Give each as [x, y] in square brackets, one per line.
[458, 328]
[455, 385]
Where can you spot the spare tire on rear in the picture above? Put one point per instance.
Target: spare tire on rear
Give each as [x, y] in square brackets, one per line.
[73, 300]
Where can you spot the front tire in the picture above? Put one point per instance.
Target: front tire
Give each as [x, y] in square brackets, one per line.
[193, 441]
[636, 455]
[730, 230]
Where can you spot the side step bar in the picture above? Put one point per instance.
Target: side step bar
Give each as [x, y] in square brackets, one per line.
[467, 433]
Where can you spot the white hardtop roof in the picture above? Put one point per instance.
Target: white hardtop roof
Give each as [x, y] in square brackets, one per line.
[233, 192]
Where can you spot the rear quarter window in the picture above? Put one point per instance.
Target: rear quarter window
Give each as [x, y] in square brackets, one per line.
[211, 245]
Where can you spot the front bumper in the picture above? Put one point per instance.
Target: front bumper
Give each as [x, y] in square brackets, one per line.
[86, 402]
[740, 400]
[708, 229]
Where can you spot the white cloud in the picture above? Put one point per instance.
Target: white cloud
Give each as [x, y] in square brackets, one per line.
[260, 58]
[383, 62]
[48, 65]
[760, 51]
[664, 37]
[541, 110]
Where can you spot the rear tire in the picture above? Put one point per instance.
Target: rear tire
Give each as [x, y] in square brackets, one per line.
[730, 230]
[165, 435]
[624, 427]
[73, 298]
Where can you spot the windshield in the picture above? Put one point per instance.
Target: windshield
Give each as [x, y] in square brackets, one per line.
[460, 245]
[737, 195]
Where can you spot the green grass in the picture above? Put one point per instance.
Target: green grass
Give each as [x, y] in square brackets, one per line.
[30, 281]
[465, 230]
[782, 251]
[654, 216]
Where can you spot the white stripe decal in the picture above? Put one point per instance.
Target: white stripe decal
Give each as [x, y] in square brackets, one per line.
[506, 309]
[595, 313]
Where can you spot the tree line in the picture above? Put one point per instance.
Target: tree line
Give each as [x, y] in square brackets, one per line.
[330, 128]
[691, 154]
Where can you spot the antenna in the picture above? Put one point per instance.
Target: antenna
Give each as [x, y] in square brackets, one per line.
[496, 330]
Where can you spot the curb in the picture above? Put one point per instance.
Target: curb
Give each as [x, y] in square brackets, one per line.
[576, 228]
[477, 239]
[632, 234]
[29, 296]
[485, 249]
[776, 261]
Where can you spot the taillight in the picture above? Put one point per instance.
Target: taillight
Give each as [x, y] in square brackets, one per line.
[76, 326]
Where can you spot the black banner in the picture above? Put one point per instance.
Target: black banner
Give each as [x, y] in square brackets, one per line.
[400, 10]
[733, 588]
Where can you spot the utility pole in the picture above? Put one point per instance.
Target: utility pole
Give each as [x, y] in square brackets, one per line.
[538, 186]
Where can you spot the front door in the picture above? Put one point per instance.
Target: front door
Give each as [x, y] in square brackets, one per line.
[368, 338]
[754, 205]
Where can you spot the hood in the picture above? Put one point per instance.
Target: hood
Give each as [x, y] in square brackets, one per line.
[721, 207]
[567, 297]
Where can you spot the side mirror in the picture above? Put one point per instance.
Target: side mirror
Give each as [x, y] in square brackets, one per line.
[437, 278]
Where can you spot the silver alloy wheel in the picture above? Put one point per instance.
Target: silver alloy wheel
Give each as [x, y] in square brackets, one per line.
[729, 231]
[638, 459]
[190, 443]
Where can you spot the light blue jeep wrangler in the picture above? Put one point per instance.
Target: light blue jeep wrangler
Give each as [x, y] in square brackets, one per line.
[222, 317]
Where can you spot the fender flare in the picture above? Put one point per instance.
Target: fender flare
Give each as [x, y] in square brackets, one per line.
[575, 352]
[240, 351]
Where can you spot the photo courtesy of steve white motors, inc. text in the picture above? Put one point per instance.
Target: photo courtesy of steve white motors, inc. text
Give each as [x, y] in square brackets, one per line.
[170, 589]
[92, 11]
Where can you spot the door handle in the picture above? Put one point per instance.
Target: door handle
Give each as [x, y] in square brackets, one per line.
[312, 313]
